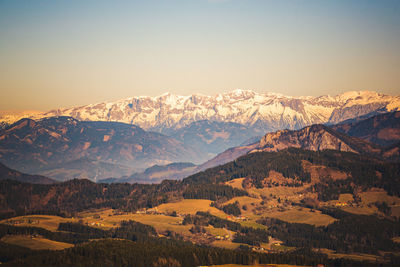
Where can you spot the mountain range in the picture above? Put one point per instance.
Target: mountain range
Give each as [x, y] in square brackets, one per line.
[262, 111]
[65, 148]
[107, 140]
[361, 138]
[10, 174]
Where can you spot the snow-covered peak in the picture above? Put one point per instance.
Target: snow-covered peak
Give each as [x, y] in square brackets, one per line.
[267, 111]
[357, 95]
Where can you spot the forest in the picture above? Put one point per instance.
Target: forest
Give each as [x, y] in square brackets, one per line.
[77, 195]
[112, 252]
[351, 233]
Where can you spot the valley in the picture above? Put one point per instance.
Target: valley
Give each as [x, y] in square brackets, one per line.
[252, 215]
[173, 219]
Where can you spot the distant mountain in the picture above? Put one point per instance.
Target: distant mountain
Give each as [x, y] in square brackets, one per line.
[157, 173]
[227, 156]
[383, 129]
[95, 146]
[86, 168]
[58, 145]
[212, 137]
[10, 174]
[263, 111]
[8, 117]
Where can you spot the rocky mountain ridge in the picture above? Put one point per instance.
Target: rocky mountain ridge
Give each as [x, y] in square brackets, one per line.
[316, 138]
[263, 111]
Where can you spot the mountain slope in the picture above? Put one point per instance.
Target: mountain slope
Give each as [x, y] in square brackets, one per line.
[157, 174]
[48, 144]
[10, 174]
[263, 111]
[382, 129]
[227, 156]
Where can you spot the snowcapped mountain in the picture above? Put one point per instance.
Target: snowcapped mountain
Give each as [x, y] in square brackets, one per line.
[262, 111]
[267, 111]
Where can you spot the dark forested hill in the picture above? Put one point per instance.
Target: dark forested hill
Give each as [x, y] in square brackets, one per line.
[383, 129]
[289, 163]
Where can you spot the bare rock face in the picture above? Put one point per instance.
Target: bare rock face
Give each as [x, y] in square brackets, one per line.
[315, 138]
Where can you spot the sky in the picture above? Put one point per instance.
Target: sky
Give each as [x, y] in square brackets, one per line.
[75, 52]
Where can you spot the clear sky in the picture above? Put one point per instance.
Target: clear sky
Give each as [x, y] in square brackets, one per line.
[75, 52]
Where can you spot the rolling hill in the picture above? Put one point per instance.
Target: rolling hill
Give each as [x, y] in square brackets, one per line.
[383, 129]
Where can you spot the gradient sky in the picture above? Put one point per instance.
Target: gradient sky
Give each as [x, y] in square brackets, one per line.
[75, 52]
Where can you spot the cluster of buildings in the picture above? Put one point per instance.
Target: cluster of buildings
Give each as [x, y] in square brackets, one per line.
[222, 237]
[237, 218]
[341, 204]
[96, 224]
[23, 221]
[149, 211]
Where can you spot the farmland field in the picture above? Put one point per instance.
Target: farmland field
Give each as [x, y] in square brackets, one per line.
[190, 206]
[159, 221]
[302, 215]
[36, 243]
[47, 222]
[225, 244]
